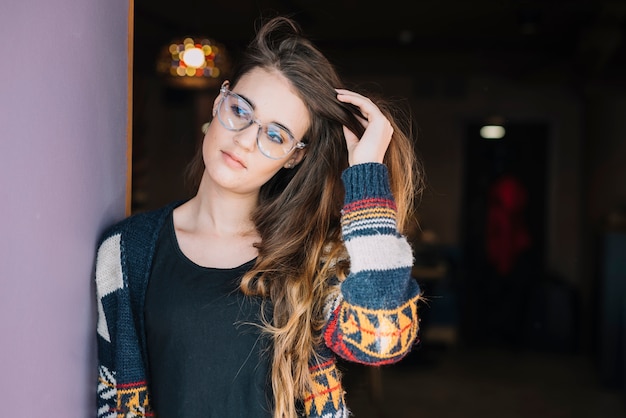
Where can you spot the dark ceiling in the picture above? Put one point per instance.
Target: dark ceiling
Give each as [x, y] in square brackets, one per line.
[580, 40]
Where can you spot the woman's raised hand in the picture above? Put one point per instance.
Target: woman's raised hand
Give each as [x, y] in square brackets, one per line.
[371, 147]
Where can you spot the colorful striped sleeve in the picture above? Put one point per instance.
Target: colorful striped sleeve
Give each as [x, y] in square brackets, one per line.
[374, 320]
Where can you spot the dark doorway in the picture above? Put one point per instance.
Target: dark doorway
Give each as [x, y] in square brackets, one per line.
[503, 221]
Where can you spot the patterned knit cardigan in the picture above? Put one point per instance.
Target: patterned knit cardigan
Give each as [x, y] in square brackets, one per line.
[372, 321]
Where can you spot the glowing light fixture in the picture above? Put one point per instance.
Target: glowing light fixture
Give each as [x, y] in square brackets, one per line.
[194, 62]
[193, 57]
[492, 132]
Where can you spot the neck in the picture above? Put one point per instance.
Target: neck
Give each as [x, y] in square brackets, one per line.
[223, 212]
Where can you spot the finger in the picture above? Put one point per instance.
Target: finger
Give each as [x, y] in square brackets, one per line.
[350, 136]
[365, 105]
[364, 122]
[349, 93]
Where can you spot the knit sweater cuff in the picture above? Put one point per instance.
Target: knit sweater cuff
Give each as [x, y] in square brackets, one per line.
[366, 180]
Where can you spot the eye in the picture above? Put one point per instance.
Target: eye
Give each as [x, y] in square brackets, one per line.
[239, 108]
[240, 111]
[276, 135]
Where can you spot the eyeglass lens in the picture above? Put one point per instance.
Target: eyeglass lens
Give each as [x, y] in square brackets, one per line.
[236, 114]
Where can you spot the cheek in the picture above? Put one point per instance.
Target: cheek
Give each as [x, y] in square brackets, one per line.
[209, 142]
[268, 168]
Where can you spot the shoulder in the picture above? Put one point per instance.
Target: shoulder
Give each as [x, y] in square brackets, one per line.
[140, 226]
[125, 249]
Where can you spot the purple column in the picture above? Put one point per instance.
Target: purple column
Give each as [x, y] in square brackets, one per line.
[63, 117]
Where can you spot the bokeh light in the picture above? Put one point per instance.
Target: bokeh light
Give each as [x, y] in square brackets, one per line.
[194, 62]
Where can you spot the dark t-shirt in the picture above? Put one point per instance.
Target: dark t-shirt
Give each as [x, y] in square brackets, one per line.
[206, 358]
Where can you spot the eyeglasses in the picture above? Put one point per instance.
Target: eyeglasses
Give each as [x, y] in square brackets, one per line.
[236, 114]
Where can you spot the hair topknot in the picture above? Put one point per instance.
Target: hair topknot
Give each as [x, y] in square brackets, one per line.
[277, 29]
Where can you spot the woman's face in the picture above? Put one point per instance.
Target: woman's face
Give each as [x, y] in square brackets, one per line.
[232, 159]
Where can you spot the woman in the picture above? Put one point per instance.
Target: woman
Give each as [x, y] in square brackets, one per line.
[237, 301]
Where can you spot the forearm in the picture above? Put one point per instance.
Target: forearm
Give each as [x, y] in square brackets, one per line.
[375, 319]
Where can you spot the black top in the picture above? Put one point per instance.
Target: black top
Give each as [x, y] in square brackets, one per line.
[205, 357]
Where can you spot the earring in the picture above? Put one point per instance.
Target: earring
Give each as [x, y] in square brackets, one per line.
[205, 127]
[289, 165]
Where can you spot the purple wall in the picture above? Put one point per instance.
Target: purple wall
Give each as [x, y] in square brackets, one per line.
[63, 112]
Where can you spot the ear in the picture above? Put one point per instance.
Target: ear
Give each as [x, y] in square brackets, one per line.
[296, 158]
[216, 102]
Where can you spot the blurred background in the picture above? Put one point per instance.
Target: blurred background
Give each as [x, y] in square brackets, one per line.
[520, 242]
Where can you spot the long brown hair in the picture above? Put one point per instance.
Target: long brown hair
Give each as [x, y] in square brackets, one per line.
[298, 215]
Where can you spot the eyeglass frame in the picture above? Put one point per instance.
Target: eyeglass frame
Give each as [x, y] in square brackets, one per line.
[225, 92]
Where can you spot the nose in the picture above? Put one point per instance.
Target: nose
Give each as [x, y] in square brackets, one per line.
[246, 138]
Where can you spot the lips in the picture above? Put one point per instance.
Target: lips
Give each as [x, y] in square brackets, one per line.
[233, 160]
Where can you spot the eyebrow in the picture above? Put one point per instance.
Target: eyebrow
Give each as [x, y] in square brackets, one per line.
[250, 102]
[253, 106]
[286, 129]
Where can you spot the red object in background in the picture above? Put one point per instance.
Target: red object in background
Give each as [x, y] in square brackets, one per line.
[507, 232]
